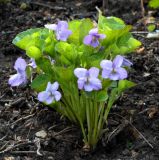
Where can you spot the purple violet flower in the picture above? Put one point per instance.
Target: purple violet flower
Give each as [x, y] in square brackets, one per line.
[50, 94]
[20, 77]
[32, 63]
[88, 79]
[61, 30]
[92, 38]
[113, 70]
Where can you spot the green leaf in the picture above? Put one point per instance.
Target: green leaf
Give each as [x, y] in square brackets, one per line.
[33, 52]
[112, 36]
[125, 84]
[50, 49]
[102, 96]
[29, 71]
[40, 82]
[110, 23]
[37, 37]
[151, 27]
[106, 83]
[44, 64]
[80, 29]
[74, 27]
[64, 74]
[67, 50]
[126, 44]
[133, 43]
[24, 38]
[154, 4]
[84, 29]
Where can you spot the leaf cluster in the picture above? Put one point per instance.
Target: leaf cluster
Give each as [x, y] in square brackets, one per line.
[81, 107]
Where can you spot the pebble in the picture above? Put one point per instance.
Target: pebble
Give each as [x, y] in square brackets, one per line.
[9, 158]
[126, 152]
[41, 134]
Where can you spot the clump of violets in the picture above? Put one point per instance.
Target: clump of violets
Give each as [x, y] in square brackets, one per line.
[93, 37]
[78, 81]
[20, 78]
[61, 30]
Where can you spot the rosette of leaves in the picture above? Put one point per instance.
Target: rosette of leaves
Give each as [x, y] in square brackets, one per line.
[88, 109]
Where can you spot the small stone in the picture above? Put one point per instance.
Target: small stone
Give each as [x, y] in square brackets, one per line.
[134, 153]
[146, 74]
[41, 134]
[51, 158]
[151, 84]
[9, 158]
[126, 152]
[23, 6]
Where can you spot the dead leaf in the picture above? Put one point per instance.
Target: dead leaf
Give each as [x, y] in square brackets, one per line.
[140, 50]
[152, 111]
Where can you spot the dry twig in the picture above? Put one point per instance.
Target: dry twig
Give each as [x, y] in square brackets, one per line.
[135, 129]
[21, 119]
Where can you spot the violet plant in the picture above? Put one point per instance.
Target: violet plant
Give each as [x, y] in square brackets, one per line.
[81, 69]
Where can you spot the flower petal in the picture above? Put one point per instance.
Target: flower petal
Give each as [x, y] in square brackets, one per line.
[126, 63]
[122, 73]
[94, 43]
[54, 86]
[49, 100]
[62, 25]
[102, 36]
[80, 72]
[88, 39]
[93, 31]
[117, 62]
[88, 87]
[106, 64]
[81, 82]
[63, 34]
[106, 73]
[20, 64]
[114, 76]
[17, 79]
[96, 83]
[48, 87]
[57, 95]
[93, 72]
[42, 96]
[32, 63]
[51, 26]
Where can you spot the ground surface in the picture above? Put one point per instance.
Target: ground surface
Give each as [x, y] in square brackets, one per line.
[133, 122]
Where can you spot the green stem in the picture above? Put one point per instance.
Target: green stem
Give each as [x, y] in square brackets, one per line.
[88, 119]
[95, 110]
[101, 121]
[84, 133]
[69, 111]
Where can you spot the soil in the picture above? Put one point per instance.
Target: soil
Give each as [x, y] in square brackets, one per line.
[133, 125]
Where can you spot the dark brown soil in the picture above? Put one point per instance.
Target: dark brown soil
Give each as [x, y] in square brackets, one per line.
[134, 120]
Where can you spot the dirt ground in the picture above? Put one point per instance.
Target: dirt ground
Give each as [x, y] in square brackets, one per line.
[134, 120]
